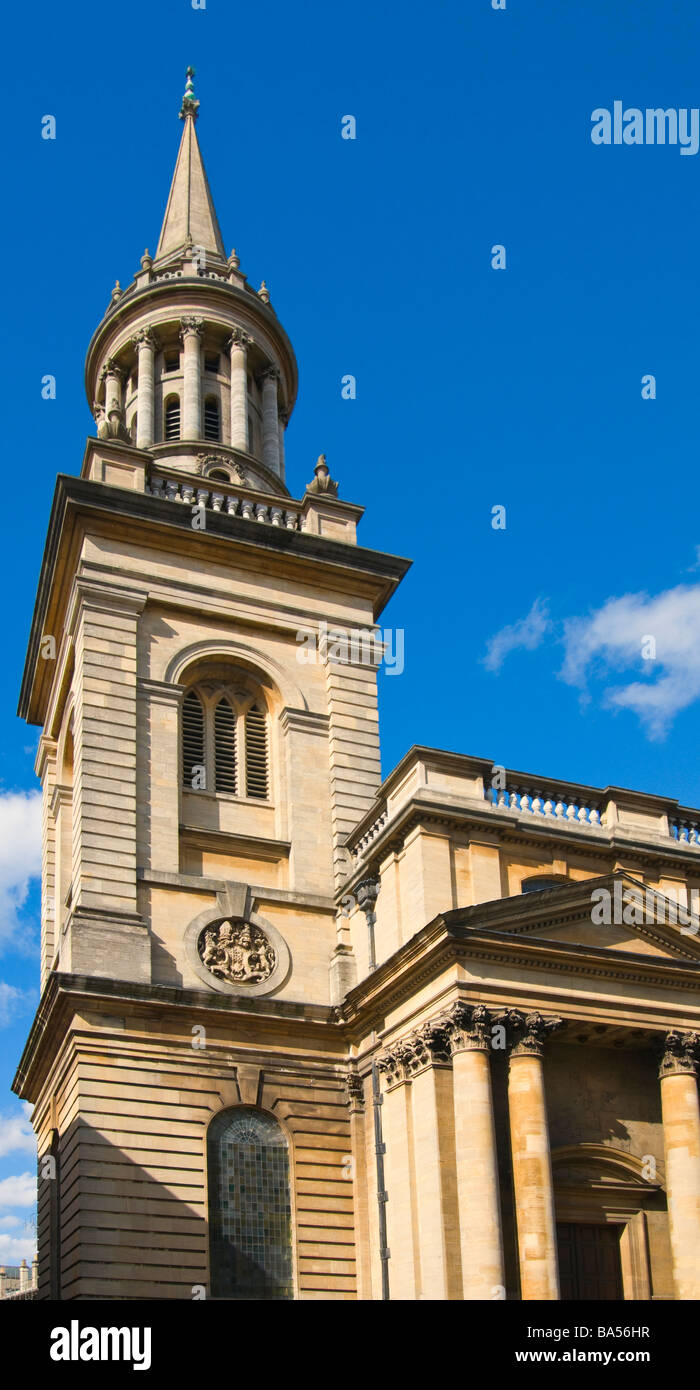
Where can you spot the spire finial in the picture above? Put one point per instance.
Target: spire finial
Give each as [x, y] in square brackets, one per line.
[189, 101]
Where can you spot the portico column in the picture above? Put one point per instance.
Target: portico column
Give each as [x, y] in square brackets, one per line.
[238, 345]
[478, 1194]
[427, 1061]
[271, 438]
[192, 329]
[680, 1112]
[532, 1164]
[145, 342]
[404, 1260]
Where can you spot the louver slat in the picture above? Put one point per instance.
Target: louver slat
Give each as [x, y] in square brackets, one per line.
[225, 747]
[256, 753]
[192, 741]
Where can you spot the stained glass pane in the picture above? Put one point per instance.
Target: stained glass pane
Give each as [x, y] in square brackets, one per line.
[250, 1212]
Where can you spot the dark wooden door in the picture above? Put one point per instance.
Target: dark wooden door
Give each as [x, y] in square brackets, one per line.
[589, 1261]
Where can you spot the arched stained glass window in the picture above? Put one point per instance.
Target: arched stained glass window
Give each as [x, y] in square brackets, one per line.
[250, 1211]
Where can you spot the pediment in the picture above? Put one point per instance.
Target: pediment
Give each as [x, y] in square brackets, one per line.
[622, 917]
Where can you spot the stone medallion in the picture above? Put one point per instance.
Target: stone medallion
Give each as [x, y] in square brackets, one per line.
[237, 954]
[237, 951]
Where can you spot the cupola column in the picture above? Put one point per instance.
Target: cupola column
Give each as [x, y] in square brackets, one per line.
[145, 344]
[192, 330]
[238, 346]
[271, 438]
[114, 411]
[283, 418]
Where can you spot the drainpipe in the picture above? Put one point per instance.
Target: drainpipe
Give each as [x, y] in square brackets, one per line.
[366, 894]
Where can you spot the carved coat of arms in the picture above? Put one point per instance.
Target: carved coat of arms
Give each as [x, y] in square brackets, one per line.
[236, 951]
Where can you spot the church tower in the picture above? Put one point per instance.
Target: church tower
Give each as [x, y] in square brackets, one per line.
[203, 757]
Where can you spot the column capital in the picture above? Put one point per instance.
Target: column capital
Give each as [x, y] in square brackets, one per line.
[354, 1091]
[526, 1033]
[390, 1065]
[145, 337]
[270, 373]
[191, 325]
[112, 368]
[239, 339]
[468, 1028]
[681, 1054]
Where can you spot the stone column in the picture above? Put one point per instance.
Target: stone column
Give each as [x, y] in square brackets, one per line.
[680, 1113]
[404, 1262]
[192, 331]
[283, 420]
[478, 1194]
[427, 1061]
[357, 1106]
[23, 1276]
[532, 1164]
[271, 438]
[145, 343]
[113, 377]
[238, 345]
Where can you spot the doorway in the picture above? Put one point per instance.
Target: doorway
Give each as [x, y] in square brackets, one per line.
[589, 1261]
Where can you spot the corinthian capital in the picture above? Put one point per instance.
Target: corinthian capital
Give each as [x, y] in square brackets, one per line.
[269, 374]
[112, 368]
[145, 337]
[527, 1033]
[191, 324]
[468, 1028]
[681, 1054]
[239, 339]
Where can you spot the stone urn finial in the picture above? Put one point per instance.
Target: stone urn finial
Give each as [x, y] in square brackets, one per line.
[264, 293]
[322, 481]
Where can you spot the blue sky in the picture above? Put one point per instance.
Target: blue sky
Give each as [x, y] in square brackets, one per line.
[475, 387]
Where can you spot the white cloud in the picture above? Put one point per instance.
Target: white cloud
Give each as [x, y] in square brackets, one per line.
[16, 1133]
[18, 1191]
[614, 638]
[528, 633]
[611, 638]
[20, 1245]
[20, 855]
[14, 1002]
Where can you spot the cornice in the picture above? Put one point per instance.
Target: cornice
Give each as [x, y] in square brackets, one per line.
[75, 497]
[66, 994]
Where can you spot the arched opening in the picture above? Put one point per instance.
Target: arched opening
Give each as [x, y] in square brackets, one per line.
[219, 475]
[539, 881]
[172, 417]
[250, 1206]
[212, 424]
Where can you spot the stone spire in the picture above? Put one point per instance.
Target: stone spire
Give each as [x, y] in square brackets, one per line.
[190, 216]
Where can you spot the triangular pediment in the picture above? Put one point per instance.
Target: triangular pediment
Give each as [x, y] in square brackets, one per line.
[612, 914]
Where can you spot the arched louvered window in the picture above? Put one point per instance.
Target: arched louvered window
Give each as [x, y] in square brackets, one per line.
[225, 759]
[172, 417]
[212, 428]
[225, 740]
[256, 752]
[193, 764]
[250, 1207]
